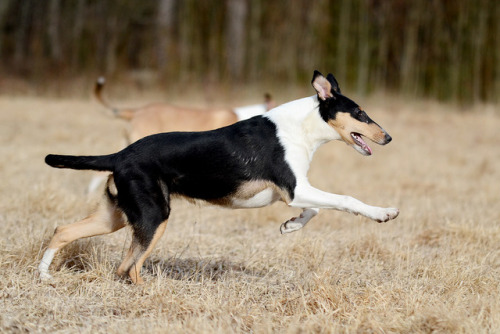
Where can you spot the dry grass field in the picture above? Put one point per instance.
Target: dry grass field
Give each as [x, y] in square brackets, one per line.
[436, 268]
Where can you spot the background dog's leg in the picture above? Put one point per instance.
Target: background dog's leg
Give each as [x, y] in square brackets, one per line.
[310, 197]
[296, 223]
[137, 254]
[107, 219]
[96, 181]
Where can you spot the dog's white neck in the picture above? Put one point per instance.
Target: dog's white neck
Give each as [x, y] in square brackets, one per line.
[301, 130]
[299, 123]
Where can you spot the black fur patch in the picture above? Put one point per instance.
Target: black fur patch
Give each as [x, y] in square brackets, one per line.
[207, 165]
[201, 165]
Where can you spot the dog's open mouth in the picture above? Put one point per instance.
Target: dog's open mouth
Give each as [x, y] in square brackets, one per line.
[361, 143]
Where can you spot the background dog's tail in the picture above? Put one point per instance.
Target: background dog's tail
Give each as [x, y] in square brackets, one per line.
[126, 114]
[98, 162]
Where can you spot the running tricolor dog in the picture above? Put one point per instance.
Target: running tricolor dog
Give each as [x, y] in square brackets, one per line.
[249, 164]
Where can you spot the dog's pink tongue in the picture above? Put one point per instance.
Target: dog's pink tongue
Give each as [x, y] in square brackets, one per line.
[364, 146]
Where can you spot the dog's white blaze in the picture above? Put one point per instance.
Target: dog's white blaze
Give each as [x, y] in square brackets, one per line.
[301, 130]
[247, 112]
[260, 199]
[43, 267]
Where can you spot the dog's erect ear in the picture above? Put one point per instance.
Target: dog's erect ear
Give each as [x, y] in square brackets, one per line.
[322, 86]
[333, 81]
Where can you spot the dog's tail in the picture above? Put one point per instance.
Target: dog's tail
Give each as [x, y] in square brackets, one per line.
[97, 162]
[126, 114]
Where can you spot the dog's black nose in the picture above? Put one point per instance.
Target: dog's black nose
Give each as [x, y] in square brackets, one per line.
[387, 138]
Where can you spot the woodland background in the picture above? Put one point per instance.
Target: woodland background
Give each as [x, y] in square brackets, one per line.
[428, 71]
[447, 50]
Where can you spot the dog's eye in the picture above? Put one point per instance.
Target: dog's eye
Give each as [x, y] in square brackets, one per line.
[361, 116]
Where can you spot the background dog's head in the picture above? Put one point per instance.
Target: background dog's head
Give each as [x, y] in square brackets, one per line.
[345, 116]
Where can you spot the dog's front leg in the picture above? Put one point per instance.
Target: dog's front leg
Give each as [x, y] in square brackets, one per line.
[296, 223]
[307, 196]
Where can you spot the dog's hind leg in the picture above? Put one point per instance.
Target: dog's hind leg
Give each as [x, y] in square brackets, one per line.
[105, 220]
[296, 223]
[138, 253]
[146, 205]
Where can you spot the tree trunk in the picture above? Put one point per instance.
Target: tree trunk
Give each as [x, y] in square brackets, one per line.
[364, 48]
[215, 43]
[312, 46]
[454, 45]
[164, 26]
[22, 34]
[382, 62]
[79, 19]
[112, 42]
[53, 30]
[185, 39]
[343, 40]
[479, 50]
[4, 7]
[408, 62]
[255, 45]
[496, 66]
[235, 37]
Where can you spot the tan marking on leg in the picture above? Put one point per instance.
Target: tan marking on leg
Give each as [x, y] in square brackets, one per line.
[133, 253]
[137, 255]
[106, 219]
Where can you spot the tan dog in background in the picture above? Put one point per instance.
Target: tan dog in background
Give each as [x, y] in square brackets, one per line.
[163, 117]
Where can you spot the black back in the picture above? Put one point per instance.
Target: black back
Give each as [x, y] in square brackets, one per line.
[210, 165]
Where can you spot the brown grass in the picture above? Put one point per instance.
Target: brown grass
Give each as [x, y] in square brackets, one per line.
[436, 268]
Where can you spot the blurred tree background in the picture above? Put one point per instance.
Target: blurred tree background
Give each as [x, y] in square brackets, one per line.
[443, 49]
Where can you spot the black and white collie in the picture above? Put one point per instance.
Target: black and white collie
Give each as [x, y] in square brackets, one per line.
[249, 164]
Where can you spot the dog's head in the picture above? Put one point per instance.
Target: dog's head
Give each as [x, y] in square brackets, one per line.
[345, 116]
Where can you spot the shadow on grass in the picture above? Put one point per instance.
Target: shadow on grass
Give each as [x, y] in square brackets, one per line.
[84, 256]
[197, 269]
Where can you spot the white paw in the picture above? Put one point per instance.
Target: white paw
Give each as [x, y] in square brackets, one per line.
[291, 226]
[45, 276]
[386, 214]
[43, 267]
